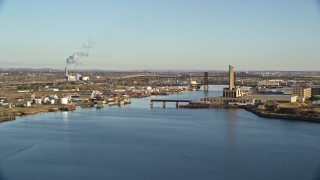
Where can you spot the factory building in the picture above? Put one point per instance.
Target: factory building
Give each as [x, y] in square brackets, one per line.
[74, 77]
[232, 94]
[78, 77]
[303, 93]
[232, 91]
[279, 98]
[71, 78]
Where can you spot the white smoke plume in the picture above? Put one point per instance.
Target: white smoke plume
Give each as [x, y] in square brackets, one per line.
[88, 46]
[77, 56]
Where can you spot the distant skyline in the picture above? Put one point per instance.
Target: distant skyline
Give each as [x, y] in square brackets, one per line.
[162, 34]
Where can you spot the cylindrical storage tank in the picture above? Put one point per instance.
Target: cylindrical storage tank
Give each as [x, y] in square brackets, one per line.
[64, 100]
[52, 101]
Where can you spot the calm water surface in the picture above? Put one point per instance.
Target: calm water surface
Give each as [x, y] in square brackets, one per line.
[136, 142]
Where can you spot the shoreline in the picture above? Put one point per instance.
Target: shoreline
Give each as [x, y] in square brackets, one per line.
[254, 110]
[272, 115]
[10, 114]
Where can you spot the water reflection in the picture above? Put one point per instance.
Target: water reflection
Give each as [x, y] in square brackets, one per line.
[65, 116]
[169, 143]
[2, 177]
[232, 142]
[231, 127]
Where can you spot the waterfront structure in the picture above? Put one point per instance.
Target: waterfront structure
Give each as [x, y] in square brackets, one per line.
[64, 101]
[164, 101]
[279, 98]
[244, 100]
[303, 93]
[232, 94]
[232, 91]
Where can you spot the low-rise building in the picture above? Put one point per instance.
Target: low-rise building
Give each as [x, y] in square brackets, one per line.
[71, 78]
[53, 89]
[222, 100]
[231, 93]
[85, 78]
[303, 93]
[267, 97]
[245, 89]
[268, 83]
[315, 91]
[29, 96]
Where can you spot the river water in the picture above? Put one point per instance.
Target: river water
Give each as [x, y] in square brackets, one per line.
[137, 142]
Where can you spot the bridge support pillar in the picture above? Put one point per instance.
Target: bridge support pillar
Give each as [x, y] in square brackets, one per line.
[177, 104]
[206, 82]
[151, 104]
[206, 88]
[164, 104]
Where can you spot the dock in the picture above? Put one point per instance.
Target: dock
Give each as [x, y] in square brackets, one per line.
[164, 101]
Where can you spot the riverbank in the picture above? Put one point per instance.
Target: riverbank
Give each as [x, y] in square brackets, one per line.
[10, 114]
[289, 111]
[274, 115]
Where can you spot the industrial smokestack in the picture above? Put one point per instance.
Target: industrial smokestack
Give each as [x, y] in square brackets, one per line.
[231, 77]
[66, 72]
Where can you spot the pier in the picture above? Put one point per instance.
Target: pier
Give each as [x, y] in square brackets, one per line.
[164, 101]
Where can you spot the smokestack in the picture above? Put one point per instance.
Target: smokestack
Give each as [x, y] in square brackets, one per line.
[66, 72]
[231, 77]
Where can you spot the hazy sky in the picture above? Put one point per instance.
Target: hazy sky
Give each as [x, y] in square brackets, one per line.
[162, 34]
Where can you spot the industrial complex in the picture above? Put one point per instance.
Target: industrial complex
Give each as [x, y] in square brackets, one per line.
[55, 90]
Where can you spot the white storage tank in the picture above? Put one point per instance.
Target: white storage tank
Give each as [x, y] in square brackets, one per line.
[64, 100]
[52, 101]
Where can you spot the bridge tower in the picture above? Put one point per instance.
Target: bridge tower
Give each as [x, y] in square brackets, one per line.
[206, 82]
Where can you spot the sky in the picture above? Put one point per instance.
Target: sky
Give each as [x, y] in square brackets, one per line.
[161, 34]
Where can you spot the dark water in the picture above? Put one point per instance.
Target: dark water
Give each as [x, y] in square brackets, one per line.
[137, 142]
